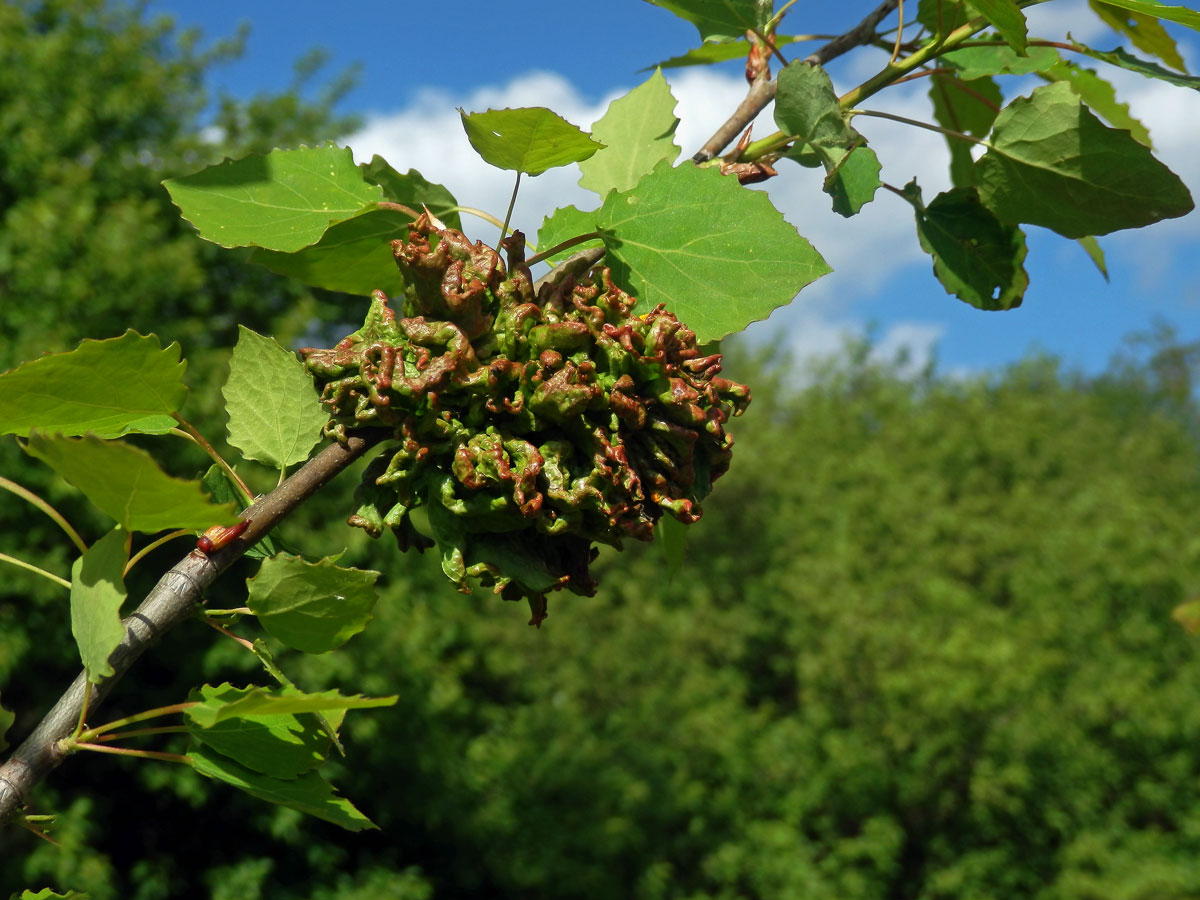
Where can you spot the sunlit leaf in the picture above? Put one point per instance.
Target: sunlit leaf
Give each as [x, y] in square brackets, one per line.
[1145, 31]
[943, 16]
[563, 224]
[309, 793]
[314, 607]
[717, 255]
[288, 701]
[279, 745]
[852, 178]
[284, 200]
[1119, 57]
[638, 131]
[1182, 15]
[529, 140]
[97, 592]
[1008, 20]
[980, 62]
[1100, 97]
[130, 383]
[721, 20]
[126, 484]
[1052, 163]
[275, 416]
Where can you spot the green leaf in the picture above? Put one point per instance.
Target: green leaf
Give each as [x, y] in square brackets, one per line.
[852, 178]
[1100, 97]
[807, 107]
[314, 607]
[1179, 14]
[975, 257]
[309, 793]
[638, 131]
[1095, 253]
[708, 54]
[7, 717]
[1146, 32]
[529, 140]
[288, 701]
[282, 745]
[721, 20]
[126, 484]
[97, 592]
[1052, 163]
[717, 255]
[1008, 19]
[980, 62]
[283, 201]
[943, 16]
[48, 894]
[275, 416]
[1124, 60]
[108, 387]
[563, 224]
[413, 190]
[354, 256]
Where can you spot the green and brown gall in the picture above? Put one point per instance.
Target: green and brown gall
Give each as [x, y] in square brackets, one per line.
[528, 426]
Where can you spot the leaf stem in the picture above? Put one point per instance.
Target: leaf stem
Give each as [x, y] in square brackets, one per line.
[190, 430]
[398, 207]
[154, 545]
[229, 634]
[31, 497]
[142, 732]
[480, 214]
[899, 34]
[565, 245]
[20, 563]
[949, 132]
[174, 709]
[128, 751]
[511, 203]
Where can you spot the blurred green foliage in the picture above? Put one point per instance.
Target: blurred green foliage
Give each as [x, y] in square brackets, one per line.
[921, 648]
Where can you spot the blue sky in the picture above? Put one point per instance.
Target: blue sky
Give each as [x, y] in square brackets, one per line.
[421, 61]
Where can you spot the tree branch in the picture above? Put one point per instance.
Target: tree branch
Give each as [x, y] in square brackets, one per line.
[171, 601]
[763, 90]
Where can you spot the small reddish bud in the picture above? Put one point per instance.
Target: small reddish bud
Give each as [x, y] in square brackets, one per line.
[219, 536]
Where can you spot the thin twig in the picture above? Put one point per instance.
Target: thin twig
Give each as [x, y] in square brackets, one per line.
[129, 751]
[31, 497]
[154, 545]
[763, 90]
[190, 431]
[57, 579]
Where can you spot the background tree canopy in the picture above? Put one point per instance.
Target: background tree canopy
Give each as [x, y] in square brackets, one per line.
[931, 656]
